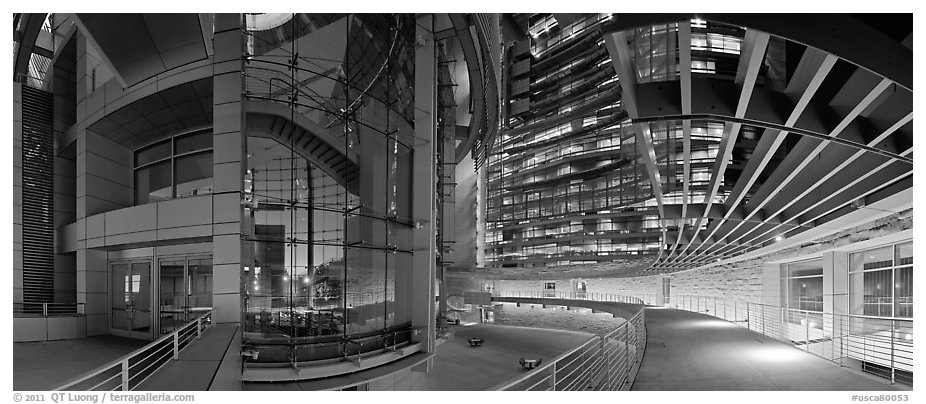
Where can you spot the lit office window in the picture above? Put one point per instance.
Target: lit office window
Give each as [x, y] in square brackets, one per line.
[881, 281]
[805, 285]
[174, 168]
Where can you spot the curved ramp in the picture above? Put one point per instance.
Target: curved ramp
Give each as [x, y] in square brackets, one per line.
[691, 351]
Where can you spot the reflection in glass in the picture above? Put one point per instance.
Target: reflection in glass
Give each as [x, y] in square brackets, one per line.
[328, 242]
[194, 174]
[155, 152]
[171, 296]
[193, 142]
[161, 175]
[152, 183]
[805, 285]
[881, 281]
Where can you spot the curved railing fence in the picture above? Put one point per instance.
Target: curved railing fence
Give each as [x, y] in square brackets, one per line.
[603, 363]
[882, 346]
[130, 371]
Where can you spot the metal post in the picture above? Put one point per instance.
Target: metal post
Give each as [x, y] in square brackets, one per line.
[782, 323]
[715, 307]
[892, 353]
[44, 309]
[553, 378]
[604, 360]
[125, 375]
[176, 344]
[199, 328]
[762, 316]
[748, 320]
[806, 332]
[626, 368]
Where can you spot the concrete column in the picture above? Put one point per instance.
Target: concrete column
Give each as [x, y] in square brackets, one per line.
[835, 296]
[423, 185]
[92, 289]
[481, 179]
[229, 164]
[104, 175]
[771, 284]
[836, 282]
[17, 192]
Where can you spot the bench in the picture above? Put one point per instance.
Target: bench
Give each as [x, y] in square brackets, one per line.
[530, 363]
[476, 341]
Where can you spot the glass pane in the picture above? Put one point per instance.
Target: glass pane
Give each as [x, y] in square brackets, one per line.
[877, 293]
[141, 295]
[193, 142]
[194, 174]
[806, 294]
[806, 268]
[119, 296]
[171, 297]
[871, 259]
[152, 183]
[152, 153]
[903, 292]
[903, 254]
[199, 287]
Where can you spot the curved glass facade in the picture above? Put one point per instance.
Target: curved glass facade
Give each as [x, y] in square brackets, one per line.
[328, 187]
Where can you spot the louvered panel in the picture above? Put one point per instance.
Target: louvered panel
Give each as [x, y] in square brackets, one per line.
[38, 197]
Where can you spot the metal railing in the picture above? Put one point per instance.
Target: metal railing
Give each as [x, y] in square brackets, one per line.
[130, 371]
[603, 363]
[552, 294]
[47, 309]
[878, 345]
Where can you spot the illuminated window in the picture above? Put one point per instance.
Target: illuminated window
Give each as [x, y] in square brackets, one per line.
[805, 285]
[881, 281]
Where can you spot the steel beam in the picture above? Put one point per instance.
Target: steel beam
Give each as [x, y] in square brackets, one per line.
[840, 34]
[616, 44]
[752, 56]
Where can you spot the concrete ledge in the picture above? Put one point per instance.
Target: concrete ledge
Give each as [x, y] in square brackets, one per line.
[274, 374]
[30, 329]
[622, 310]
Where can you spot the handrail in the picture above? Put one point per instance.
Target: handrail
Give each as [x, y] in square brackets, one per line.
[589, 296]
[125, 364]
[47, 309]
[611, 359]
[880, 345]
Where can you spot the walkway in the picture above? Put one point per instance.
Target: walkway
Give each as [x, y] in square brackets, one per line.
[691, 351]
[458, 366]
[204, 365]
[45, 365]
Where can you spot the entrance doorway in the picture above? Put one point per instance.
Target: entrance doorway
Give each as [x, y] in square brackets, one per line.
[131, 299]
[184, 290]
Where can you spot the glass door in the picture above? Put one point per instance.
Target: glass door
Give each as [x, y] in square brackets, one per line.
[171, 300]
[131, 299]
[185, 290]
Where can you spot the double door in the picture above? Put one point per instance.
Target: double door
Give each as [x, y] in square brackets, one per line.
[184, 290]
[149, 301]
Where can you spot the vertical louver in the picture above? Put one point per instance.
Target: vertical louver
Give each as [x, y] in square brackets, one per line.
[37, 162]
